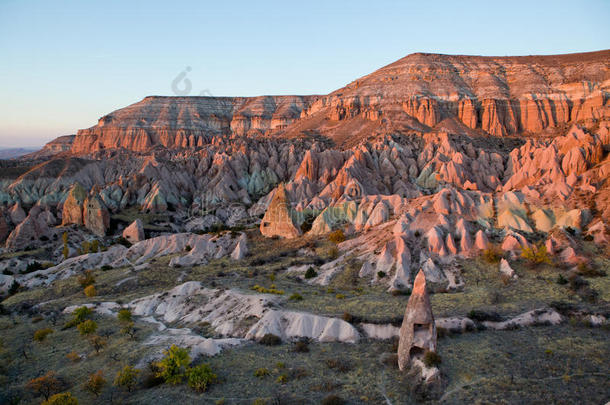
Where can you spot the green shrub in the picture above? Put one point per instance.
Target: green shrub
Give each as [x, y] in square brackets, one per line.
[127, 377]
[282, 379]
[432, 359]
[90, 291]
[261, 372]
[41, 334]
[65, 398]
[173, 366]
[270, 340]
[536, 255]
[310, 273]
[87, 327]
[264, 290]
[200, 377]
[296, 297]
[561, 280]
[381, 274]
[340, 296]
[492, 255]
[336, 236]
[124, 315]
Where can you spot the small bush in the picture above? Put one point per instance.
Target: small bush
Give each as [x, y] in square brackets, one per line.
[336, 236]
[200, 377]
[296, 297]
[41, 334]
[333, 399]
[561, 280]
[98, 342]
[587, 270]
[481, 316]
[340, 296]
[261, 372]
[86, 279]
[151, 378]
[14, 288]
[310, 273]
[282, 379]
[65, 398]
[492, 255]
[302, 346]
[432, 359]
[87, 327]
[172, 367]
[347, 317]
[264, 290]
[81, 313]
[73, 357]
[95, 383]
[45, 386]
[536, 255]
[338, 364]
[381, 274]
[32, 267]
[90, 291]
[124, 315]
[127, 377]
[270, 340]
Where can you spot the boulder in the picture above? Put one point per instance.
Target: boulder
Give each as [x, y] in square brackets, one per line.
[506, 270]
[135, 232]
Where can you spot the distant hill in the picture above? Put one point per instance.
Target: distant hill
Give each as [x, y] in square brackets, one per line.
[10, 153]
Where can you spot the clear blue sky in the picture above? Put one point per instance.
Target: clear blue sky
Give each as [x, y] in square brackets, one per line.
[63, 64]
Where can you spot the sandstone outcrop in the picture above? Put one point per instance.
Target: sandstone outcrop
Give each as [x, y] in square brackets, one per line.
[278, 220]
[95, 216]
[73, 206]
[418, 330]
[134, 232]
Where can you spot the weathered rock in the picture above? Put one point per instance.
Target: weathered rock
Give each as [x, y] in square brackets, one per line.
[506, 270]
[278, 219]
[134, 232]
[17, 214]
[418, 330]
[241, 249]
[73, 206]
[95, 216]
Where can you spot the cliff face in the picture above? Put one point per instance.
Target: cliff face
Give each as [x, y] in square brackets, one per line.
[500, 96]
[188, 122]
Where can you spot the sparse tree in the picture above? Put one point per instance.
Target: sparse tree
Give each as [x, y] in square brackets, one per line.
[95, 383]
[127, 377]
[173, 366]
[87, 327]
[45, 385]
[65, 398]
[97, 342]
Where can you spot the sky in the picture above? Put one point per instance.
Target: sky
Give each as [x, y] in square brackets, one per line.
[64, 64]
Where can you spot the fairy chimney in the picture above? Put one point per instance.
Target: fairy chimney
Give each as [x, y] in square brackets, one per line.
[277, 220]
[418, 331]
